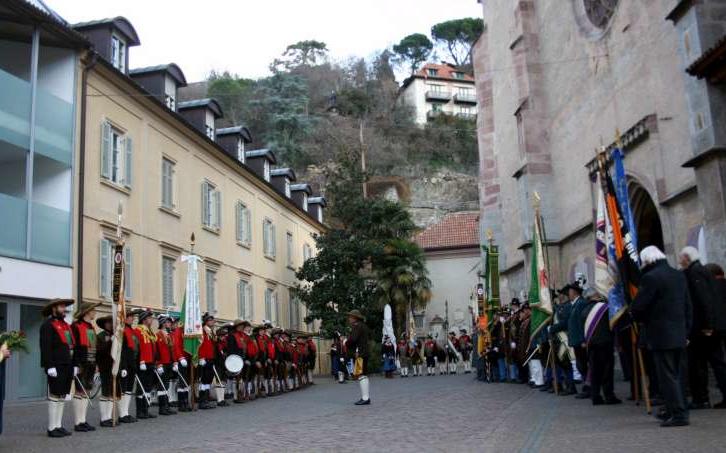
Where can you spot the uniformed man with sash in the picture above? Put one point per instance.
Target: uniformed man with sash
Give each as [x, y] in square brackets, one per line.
[104, 361]
[127, 368]
[166, 364]
[183, 371]
[148, 355]
[220, 375]
[207, 353]
[56, 357]
[358, 349]
[84, 358]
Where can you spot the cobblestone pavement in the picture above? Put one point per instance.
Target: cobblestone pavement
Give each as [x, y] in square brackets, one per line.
[442, 413]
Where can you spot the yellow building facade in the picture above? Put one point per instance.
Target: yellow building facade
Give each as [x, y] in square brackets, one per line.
[173, 181]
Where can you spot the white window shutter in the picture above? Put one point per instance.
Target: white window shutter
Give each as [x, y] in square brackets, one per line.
[127, 274]
[250, 301]
[105, 150]
[273, 240]
[238, 221]
[248, 225]
[240, 300]
[276, 308]
[218, 209]
[205, 203]
[128, 162]
[104, 264]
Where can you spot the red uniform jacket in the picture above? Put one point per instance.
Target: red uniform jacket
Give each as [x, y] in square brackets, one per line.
[251, 347]
[279, 348]
[270, 348]
[312, 349]
[206, 349]
[177, 345]
[147, 345]
[164, 345]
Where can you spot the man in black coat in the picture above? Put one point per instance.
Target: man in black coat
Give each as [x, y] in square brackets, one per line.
[600, 348]
[56, 357]
[357, 346]
[663, 305]
[705, 346]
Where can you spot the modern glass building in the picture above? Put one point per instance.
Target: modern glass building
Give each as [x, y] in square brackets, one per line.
[39, 73]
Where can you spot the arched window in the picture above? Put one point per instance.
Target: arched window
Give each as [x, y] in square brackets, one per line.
[599, 12]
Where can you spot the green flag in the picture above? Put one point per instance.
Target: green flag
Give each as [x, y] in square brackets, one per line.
[540, 300]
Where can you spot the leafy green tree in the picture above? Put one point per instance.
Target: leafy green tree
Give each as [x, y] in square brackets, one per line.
[302, 53]
[413, 50]
[368, 245]
[457, 37]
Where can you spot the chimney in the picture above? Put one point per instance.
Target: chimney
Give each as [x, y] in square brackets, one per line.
[281, 178]
[316, 206]
[201, 113]
[260, 161]
[111, 39]
[233, 140]
[300, 194]
[162, 81]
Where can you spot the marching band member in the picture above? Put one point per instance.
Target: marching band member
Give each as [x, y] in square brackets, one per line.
[165, 364]
[402, 355]
[84, 358]
[237, 345]
[218, 366]
[56, 357]
[430, 354]
[452, 349]
[206, 361]
[251, 362]
[466, 347]
[127, 368]
[104, 361]
[312, 355]
[358, 348]
[182, 361]
[147, 364]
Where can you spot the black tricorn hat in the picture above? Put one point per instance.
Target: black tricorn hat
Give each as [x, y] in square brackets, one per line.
[206, 317]
[48, 309]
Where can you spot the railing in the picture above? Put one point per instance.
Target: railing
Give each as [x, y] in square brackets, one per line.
[465, 98]
[437, 95]
[431, 114]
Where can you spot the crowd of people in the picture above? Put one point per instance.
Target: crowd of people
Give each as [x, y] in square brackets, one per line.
[235, 362]
[673, 331]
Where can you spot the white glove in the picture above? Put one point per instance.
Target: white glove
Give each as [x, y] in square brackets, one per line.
[513, 345]
[175, 367]
[202, 362]
[75, 371]
[52, 372]
[160, 370]
[183, 362]
[496, 349]
[124, 373]
[142, 367]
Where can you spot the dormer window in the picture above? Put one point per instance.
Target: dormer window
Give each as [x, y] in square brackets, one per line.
[320, 214]
[305, 202]
[267, 170]
[432, 72]
[118, 53]
[459, 75]
[170, 93]
[240, 150]
[170, 101]
[288, 193]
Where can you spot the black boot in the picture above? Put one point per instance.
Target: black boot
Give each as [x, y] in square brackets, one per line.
[141, 414]
[204, 400]
[146, 410]
[164, 406]
[183, 402]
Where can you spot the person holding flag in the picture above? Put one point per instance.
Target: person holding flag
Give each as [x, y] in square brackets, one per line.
[104, 361]
[127, 365]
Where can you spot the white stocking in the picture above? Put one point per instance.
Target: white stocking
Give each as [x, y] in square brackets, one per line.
[364, 388]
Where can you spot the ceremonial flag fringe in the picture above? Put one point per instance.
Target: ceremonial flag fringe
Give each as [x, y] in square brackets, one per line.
[191, 312]
[540, 298]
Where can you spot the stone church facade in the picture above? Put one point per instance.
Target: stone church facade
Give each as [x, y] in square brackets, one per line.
[555, 80]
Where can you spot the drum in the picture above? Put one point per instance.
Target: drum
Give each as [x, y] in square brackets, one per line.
[234, 364]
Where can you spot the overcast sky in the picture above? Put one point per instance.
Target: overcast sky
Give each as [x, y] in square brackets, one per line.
[244, 36]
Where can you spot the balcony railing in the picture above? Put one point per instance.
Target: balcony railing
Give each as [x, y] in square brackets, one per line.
[465, 98]
[432, 95]
[467, 116]
[431, 114]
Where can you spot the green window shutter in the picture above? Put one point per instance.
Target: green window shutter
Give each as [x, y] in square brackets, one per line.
[105, 150]
[128, 166]
[250, 301]
[104, 268]
[238, 222]
[218, 209]
[205, 204]
[248, 225]
[127, 274]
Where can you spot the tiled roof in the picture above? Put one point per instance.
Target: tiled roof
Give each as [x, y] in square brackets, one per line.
[455, 230]
[443, 71]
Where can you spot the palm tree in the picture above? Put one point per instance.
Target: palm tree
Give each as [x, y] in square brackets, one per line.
[402, 280]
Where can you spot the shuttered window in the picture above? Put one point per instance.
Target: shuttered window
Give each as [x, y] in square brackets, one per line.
[307, 252]
[271, 309]
[211, 206]
[167, 183]
[244, 300]
[244, 224]
[294, 312]
[289, 243]
[116, 155]
[268, 238]
[211, 290]
[167, 281]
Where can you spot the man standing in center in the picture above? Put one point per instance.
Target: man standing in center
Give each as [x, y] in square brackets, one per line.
[358, 349]
[148, 352]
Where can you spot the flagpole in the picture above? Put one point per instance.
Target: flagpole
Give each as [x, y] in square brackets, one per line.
[116, 307]
[191, 362]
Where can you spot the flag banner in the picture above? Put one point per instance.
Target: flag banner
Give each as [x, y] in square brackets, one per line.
[118, 306]
[540, 298]
[621, 192]
[625, 253]
[191, 314]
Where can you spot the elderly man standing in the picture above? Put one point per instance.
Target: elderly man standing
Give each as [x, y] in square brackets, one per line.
[704, 347]
[663, 305]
